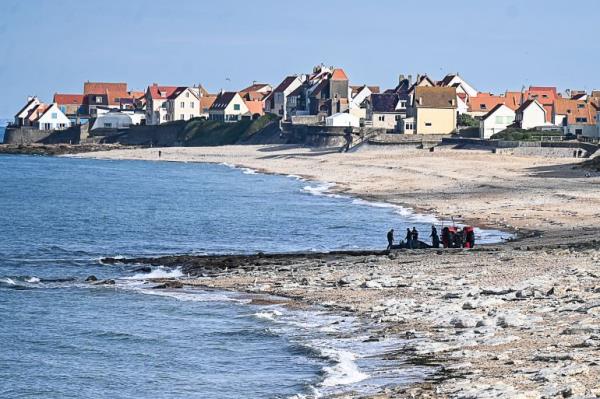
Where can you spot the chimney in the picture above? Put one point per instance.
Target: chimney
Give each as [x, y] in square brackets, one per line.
[400, 78]
[418, 78]
[410, 79]
[420, 100]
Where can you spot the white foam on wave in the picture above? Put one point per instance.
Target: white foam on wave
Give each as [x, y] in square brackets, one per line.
[8, 280]
[160, 272]
[196, 296]
[322, 190]
[33, 280]
[249, 171]
[345, 371]
[268, 314]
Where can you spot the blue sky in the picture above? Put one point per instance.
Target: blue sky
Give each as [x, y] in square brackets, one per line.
[49, 46]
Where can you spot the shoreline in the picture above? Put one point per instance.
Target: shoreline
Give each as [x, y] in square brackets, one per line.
[516, 319]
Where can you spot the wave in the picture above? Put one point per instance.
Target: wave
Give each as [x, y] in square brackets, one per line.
[8, 281]
[345, 371]
[159, 272]
[268, 315]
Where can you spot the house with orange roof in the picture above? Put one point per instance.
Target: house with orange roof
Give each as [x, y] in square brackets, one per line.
[103, 94]
[575, 116]
[331, 95]
[483, 103]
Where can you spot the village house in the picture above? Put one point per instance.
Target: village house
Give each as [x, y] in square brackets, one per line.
[72, 105]
[483, 103]
[229, 106]
[277, 100]
[360, 97]
[331, 95]
[575, 116]
[51, 118]
[531, 114]
[434, 110]
[498, 119]
[170, 103]
[22, 117]
[386, 111]
[103, 94]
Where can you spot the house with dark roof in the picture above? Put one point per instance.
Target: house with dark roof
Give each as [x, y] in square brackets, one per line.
[22, 117]
[434, 109]
[276, 102]
[385, 111]
[229, 106]
[331, 94]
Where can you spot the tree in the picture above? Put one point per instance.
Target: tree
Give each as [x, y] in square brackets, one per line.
[467, 120]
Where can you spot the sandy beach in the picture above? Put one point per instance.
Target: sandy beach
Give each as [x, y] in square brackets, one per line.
[519, 319]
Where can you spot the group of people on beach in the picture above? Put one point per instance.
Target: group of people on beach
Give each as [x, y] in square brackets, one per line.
[452, 237]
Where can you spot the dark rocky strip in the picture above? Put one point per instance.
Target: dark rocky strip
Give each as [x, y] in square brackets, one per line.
[55, 149]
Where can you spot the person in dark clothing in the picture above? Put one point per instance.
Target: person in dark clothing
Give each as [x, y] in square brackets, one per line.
[435, 239]
[390, 237]
[415, 238]
[159, 153]
[470, 238]
[446, 237]
[408, 239]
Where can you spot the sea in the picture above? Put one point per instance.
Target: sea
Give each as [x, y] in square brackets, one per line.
[62, 337]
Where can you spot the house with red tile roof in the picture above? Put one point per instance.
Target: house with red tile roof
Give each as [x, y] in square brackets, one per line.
[483, 103]
[575, 116]
[72, 105]
[103, 94]
[170, 103]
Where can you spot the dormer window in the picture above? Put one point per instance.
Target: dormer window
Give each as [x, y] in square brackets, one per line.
[580, 106]
[482, 106]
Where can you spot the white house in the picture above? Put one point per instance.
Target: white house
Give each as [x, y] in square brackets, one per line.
[454, 80]
[495, 121]
[172, 103]
[531, 114]
[22, 117]
[53, 119]
[342, 119]
[277, 102]
[229, 106]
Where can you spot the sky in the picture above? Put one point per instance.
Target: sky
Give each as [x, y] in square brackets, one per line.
[49, 46]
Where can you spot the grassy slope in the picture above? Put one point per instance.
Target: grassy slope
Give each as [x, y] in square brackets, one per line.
[199, 132]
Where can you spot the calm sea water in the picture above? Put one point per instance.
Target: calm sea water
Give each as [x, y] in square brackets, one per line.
[63, 338]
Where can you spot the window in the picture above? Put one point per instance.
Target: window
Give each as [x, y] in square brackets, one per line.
[108, 125]
[236, 107]
[581, 120]
[398, 117]
[402, 104]
[409, 126]
[187, 94]
[191, 116]
[482, 106]
[182, 117]
[428, 124]
[381, 118]
[192, 104]
[182, 104]
[54, 115]
[98, 99]
[580, 106]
